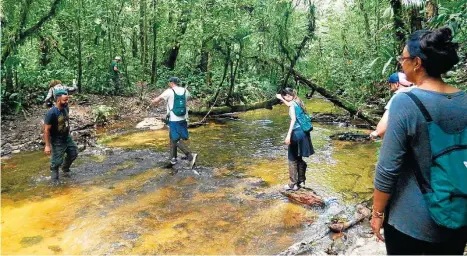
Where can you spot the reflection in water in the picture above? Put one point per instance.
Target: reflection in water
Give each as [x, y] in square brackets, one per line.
[236, 210]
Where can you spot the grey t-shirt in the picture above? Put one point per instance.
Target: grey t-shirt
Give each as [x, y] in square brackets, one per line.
[406, 140]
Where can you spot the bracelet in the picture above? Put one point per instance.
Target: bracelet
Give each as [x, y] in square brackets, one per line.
[376, 214]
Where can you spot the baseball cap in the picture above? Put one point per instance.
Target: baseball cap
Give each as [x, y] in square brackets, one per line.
[60, 92]
[118, 57]
[174, 80]
[394, 78]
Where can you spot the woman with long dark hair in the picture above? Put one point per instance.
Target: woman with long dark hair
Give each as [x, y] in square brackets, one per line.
[421, 182]
[297, 139]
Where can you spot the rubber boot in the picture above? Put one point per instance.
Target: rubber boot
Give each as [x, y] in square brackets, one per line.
[293, 175]
[191, 157]
[301, 172]
[54, 176]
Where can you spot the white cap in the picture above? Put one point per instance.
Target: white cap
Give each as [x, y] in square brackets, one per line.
[403, 79]
[118, 57]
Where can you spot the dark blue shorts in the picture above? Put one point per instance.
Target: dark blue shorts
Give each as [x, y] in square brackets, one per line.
[178, 130]
[300, 145]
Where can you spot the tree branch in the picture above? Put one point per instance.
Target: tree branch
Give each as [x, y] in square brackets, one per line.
[21, 36]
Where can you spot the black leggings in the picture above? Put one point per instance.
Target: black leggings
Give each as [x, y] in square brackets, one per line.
[398, 243]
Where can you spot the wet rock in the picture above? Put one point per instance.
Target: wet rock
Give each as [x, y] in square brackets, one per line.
[30, 240]
[180, 225]
[81, 147]
[151, 123]
[117, 245]
[55, 248]
[142, 215]
[108, 151]
[304, 196]
[130, 236]
[350, 136]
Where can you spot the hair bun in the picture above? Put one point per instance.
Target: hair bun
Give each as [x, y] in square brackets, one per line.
[440, 36]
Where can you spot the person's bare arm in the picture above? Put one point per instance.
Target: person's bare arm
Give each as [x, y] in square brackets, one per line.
[293, 119]
[381, 127]
[47, 128]
[283, 101]
[157, 100]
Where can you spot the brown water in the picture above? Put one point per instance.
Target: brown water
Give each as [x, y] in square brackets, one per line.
[236, 209]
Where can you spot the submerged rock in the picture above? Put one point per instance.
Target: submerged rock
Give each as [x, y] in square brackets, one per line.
[150, 123]
[31, 240]
[347, 136]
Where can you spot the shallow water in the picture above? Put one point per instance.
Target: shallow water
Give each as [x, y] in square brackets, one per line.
[133, 206]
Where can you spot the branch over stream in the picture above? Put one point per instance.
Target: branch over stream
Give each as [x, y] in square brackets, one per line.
[371, 119]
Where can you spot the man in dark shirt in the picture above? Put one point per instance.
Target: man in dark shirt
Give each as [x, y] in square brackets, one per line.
[57, 136]
[115, 75]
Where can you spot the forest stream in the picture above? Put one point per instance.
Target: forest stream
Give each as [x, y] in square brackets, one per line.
[120, 199]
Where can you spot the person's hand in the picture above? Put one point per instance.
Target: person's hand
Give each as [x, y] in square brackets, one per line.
[287, 140]
[374, 135]
[279, 96]
[47, 150]
[376, 224]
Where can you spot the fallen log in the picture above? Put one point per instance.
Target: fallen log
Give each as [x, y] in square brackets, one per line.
[362, 213]
[237, 108]
[373, 120]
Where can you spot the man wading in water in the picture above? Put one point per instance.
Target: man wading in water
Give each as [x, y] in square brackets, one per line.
[57, 136]
[177, 113]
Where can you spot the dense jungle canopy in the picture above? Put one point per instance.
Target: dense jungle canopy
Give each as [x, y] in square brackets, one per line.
[228, 52]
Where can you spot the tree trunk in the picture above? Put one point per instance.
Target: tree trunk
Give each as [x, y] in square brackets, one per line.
[142, 31]
[9, 79]
[134, 43]
[377, 11]
[415, 19]
[173, 53]
[80, 48]
[398, 24]
[308, 36]
[361, 6]
[44, 47]
[238, 108]
[233, 75]
[154, 44]
[226, 68]
[203, 64]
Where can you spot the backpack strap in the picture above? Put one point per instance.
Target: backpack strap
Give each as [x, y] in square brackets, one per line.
[420, 106]
[184, 92]
[423, 184]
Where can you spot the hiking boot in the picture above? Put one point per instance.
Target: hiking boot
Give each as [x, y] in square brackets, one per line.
[193, 160]
[67, 173]
[291, 188]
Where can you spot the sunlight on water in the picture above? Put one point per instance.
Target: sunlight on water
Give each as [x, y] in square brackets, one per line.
[236, 211]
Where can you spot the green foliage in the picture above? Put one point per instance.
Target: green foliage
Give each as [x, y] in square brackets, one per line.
[352, 46]
[101, 114]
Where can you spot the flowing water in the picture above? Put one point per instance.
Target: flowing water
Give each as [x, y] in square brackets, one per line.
[126, 203]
